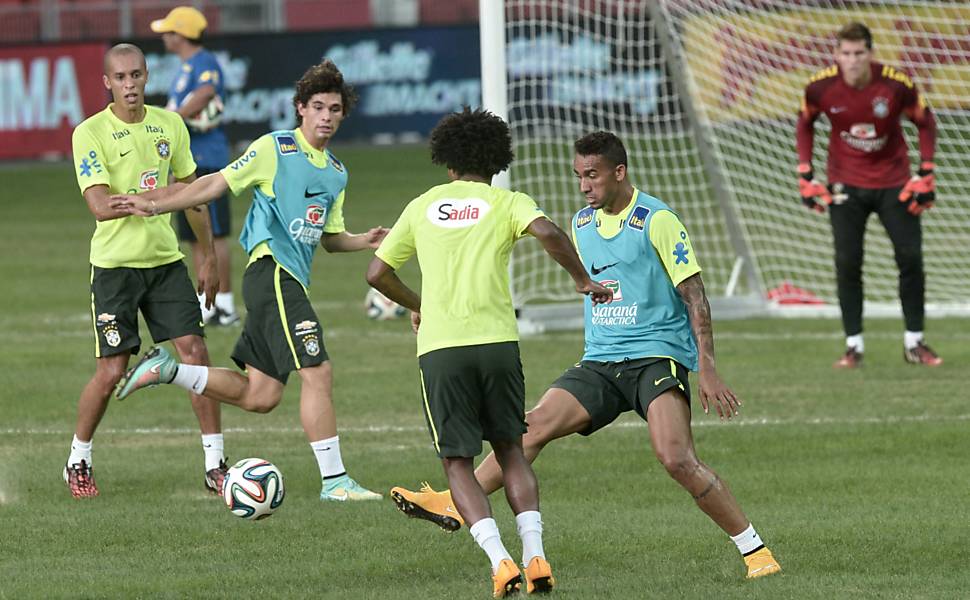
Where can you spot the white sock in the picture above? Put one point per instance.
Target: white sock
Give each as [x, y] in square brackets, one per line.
[225, 302]
[529, 524]
[191, 377]
[80, 451]
[855, 341]
[487, 536]
[747, 541]
[328, 457]
[206, 312]
[912, 338]
[212, 445]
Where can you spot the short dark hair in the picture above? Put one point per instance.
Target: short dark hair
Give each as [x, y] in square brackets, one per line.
[323, 78]
[472, 142]
[120, 49]
[602, 143]
[855, 32]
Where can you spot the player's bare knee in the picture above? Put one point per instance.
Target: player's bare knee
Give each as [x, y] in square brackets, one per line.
[193, 351]
[542, 428]
[679, 464]
[317, 376]
[537, 435]
[109, 374]
[261, 404]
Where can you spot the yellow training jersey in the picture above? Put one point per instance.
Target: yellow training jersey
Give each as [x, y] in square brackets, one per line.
[462, 233]
[131, 158]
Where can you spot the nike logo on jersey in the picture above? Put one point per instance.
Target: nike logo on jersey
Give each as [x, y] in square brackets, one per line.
[657, 381]
[124, 154]
[836, 109]
[308, 194]
[601, 269]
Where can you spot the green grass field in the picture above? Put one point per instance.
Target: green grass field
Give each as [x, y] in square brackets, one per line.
[857, 480]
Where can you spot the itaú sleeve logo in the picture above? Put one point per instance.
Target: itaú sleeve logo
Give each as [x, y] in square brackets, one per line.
[457, 213]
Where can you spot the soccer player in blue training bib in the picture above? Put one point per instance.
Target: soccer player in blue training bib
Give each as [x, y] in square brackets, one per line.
[462, 233]
[297, 205]
[196, 95]
[639, 347]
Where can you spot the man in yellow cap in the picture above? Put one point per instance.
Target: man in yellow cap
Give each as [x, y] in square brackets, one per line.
[196, 95]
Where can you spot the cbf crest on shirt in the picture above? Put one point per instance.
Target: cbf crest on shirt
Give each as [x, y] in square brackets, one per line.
[292, 220]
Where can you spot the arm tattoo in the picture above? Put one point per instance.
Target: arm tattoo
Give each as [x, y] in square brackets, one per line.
[699, 309]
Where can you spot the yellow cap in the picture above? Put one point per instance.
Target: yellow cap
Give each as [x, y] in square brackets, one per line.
[183, 20]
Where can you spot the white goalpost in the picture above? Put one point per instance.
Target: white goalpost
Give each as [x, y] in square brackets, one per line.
[705, 93]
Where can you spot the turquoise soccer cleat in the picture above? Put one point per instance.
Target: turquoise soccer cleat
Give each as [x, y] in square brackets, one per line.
[155, 367]
[344, 489]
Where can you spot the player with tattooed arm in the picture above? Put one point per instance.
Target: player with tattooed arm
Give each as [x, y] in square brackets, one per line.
[639, 348]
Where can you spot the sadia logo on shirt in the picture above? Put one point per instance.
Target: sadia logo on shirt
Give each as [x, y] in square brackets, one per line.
[454, 213]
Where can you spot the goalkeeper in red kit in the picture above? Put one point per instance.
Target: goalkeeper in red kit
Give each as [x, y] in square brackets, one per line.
[868, 172]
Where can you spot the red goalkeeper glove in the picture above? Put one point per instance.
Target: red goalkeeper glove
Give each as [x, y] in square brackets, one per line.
[812, 190]
[920, 191]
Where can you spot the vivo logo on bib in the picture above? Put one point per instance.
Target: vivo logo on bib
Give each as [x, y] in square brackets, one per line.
[457, 213]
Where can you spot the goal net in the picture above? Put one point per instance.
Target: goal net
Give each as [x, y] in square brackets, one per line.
[704, 94]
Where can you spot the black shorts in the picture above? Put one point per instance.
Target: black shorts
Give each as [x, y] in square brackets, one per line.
[608, 389]
[164, 295]
[219, 215]
[473, 393]
[281, 333]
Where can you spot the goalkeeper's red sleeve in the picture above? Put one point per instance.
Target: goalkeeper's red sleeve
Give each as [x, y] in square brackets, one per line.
[805, 135]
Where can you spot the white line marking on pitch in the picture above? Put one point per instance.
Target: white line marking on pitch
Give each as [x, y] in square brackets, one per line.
[765, 422]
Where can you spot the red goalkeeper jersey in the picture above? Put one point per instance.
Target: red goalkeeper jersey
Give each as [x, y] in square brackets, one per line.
[866, 148]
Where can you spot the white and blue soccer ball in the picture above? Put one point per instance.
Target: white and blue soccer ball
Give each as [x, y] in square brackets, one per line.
[253, 489]
[382, 308]
[207, 118]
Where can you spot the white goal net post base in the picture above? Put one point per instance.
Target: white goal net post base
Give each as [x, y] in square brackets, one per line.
[704, 94]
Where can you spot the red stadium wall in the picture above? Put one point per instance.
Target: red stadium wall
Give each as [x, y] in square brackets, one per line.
[45, 91]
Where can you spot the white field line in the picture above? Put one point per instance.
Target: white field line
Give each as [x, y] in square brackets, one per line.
[83, 320]
[80, 322]
[709, 422]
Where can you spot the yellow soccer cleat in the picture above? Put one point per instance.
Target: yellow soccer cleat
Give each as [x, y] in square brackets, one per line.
[429, 505]
[538, 576]
[507, 580]
[761, 563]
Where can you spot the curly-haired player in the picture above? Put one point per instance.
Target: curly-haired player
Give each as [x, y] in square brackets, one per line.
[637, 353]
[297, 205]
[471, 378]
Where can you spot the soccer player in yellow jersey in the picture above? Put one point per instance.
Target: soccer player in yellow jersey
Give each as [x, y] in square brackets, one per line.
[638, 351]
[135, 261]
[297, 206]
[471, 377]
